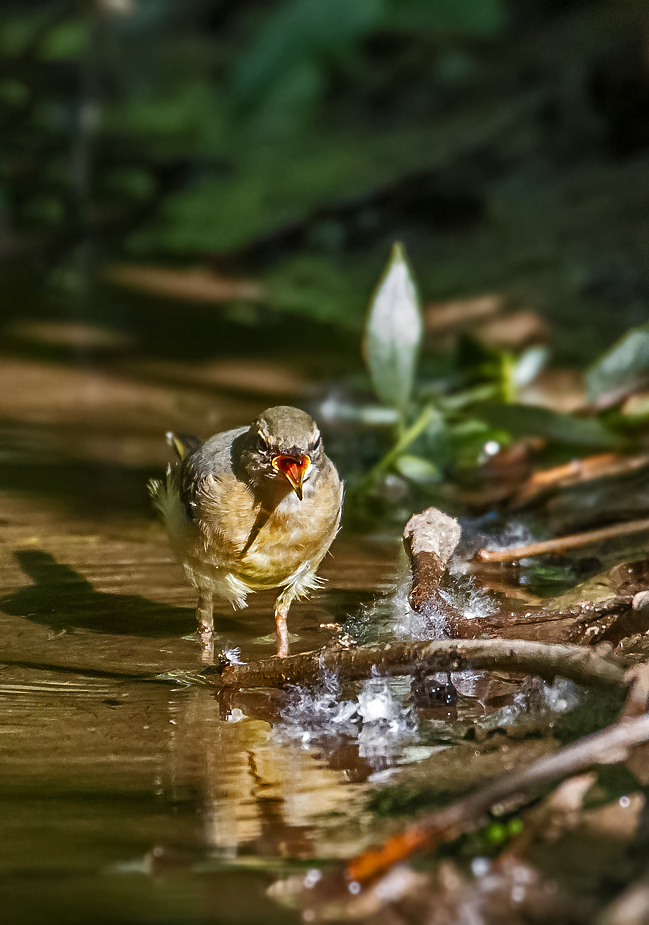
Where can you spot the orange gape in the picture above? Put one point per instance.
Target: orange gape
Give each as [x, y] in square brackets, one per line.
[293, 469]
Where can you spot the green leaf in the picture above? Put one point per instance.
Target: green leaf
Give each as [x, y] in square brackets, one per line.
[528, 365]
[300, 31]
[428, 418]
[523, 420]
[469, 438]
[449, 17]
[636, 408]
[393, 332]
[417, 469]
[67, 41]
[621, 367]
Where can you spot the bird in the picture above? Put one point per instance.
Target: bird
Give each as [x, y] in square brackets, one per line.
[250, 509]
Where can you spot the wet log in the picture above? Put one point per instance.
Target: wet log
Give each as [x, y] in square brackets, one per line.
[577, 663]
[609, 608]
[430, 539]
[538, 641]
[609, 621]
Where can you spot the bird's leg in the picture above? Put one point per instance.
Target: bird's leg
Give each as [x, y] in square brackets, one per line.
[281, 613]
[205, 617]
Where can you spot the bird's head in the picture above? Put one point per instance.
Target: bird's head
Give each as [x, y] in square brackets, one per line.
[284, 444]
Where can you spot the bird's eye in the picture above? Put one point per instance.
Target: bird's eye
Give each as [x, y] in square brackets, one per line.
[317, 442]
[261, 443]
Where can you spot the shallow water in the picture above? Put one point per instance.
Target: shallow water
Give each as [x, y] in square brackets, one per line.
[128, 794]
[126, 799]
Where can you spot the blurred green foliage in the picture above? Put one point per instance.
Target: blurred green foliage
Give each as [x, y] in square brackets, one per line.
[294, 140]
[624, 367]
[461, 419]
[171, 132]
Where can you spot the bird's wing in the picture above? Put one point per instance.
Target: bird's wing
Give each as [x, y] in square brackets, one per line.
[221, 506]
[211, 459]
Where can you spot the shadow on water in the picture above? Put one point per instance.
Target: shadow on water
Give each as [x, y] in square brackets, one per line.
[63, 599]
[101, 489]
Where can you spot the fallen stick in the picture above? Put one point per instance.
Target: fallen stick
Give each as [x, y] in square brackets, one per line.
[430, 539]
[548, 661]
[561, 543]
[604, 465]
[609, 746]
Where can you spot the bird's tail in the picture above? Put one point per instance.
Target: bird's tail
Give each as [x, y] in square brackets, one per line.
[165, 494]
[183, 444]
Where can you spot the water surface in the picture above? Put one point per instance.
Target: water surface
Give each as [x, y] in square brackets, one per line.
[125, 799]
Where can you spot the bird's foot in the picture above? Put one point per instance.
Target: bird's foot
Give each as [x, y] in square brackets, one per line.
[205, 620]
[282, 632]
[206, 639]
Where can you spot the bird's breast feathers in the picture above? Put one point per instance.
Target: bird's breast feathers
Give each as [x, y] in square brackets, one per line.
[264, 548]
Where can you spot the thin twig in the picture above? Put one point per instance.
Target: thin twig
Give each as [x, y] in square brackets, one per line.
[561, 543]
[577, 471]
[577, 663]
[609, 746]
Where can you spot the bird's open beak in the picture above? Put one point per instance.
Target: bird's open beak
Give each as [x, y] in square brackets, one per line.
[293, 468]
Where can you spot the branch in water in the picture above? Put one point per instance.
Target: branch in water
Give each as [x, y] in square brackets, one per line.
[610, 746]
[561, 543]
[548, 661]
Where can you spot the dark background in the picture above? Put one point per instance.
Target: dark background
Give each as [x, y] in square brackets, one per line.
[289, 142]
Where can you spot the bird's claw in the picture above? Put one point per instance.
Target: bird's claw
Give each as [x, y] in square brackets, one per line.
[206, 638]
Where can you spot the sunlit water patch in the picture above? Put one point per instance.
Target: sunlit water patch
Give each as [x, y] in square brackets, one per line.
[379, 720]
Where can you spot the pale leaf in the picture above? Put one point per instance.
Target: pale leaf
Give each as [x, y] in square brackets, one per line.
[393, 332]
